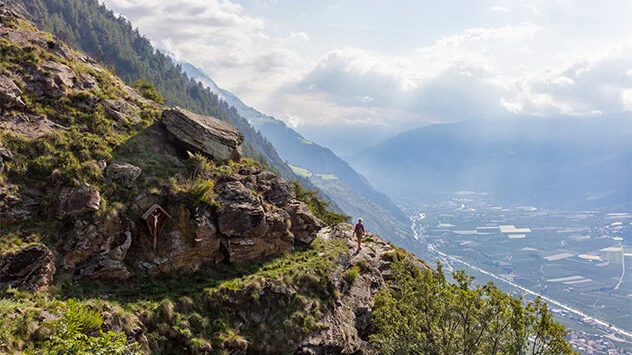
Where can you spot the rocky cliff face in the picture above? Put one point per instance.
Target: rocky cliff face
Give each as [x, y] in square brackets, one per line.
[63, 101]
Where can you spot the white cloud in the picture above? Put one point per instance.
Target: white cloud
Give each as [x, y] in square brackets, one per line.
[500, 8]
[218, 36]
[531, 6]
[507, 33]
[354, 66]
[590, 85]
[293, 121]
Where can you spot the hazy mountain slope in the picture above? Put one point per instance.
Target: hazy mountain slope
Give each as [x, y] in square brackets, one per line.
[298, 151]
[563, 162]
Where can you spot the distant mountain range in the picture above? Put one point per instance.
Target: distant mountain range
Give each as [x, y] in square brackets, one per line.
[348, 189]
[567, 162]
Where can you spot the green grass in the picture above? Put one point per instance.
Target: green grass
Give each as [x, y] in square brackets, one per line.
[306, 173]
[301, 171]
[42, 324]
[267, 306]
[352, 274]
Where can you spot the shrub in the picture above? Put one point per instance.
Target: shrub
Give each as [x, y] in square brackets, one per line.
[317, 204]
[352, 274]
[148, 90]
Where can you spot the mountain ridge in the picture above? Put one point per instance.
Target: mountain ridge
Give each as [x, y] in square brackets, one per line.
[523, 160]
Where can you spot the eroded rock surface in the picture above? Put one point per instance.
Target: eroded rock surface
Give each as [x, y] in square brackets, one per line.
[254, 229]
[62, 75]
[123, 173]
[204, 134]
[77, 200]
[17, 206]
[28, 269]
[347, 324]
[10, 94]
[100, 266]
[305, 226]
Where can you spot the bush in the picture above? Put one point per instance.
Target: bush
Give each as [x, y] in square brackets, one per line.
[108, 343]
[148, 90]
[352, 274]
[317, 205]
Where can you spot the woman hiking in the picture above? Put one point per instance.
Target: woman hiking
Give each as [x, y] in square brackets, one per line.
[358, 231]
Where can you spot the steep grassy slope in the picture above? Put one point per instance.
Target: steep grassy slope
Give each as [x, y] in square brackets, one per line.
[58, 128]
[94, 29]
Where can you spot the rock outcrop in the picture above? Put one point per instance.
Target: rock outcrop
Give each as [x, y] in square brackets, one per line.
[17, 206]
[77, 200]
[204, 134]
[347, 324]
[5, 155]
[29, 269]
[249, 223]
[123, 173]
[100, 266]
[10, 94]
[305, 226]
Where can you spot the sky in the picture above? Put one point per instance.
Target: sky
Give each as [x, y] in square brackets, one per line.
[334, 68]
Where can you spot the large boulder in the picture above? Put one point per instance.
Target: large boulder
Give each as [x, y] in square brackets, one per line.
[252, 228]
[240, 213]
[274, 189]
[100, 266]
[204, 134]
[29, 269]
[305, 226]
[10, 94]
[123, 173]
[77, 200]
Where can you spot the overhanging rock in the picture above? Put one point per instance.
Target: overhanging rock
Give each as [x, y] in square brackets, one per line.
[204, 134]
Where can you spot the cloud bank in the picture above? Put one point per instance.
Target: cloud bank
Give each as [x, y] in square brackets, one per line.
[415, 66]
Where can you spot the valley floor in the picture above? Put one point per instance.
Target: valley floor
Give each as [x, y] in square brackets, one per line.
[574, 260]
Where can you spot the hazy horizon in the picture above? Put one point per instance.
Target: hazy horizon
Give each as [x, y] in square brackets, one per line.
[390, 67]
